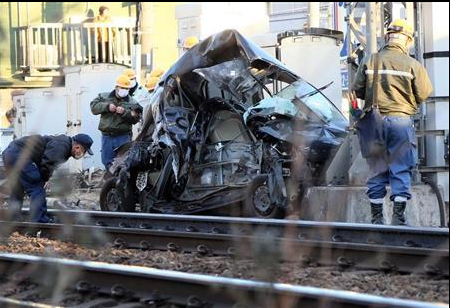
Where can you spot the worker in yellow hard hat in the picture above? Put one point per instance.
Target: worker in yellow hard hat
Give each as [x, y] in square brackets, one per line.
[402, 27]
[393, 86]
[190, 42]
[124, 82]
[157, 72]
[131, 73]
[151, 83]
[118, 112]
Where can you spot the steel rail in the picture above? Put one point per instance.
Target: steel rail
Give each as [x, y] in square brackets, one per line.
[351, 255]
[6, 302]
[307, 230]
[160, 288]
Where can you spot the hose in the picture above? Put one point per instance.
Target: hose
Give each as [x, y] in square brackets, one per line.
[436, 190]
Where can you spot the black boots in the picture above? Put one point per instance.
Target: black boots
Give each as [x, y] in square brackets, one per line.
[398, 215]
[377, 213]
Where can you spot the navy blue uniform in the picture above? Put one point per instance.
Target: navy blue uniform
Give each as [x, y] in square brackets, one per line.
[29, 163]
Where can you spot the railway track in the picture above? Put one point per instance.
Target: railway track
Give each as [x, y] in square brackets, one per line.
[436, 238]
[71, 283]
[283, 240]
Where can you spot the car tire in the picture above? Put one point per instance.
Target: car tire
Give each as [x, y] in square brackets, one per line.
[257, 201]
[113, 199]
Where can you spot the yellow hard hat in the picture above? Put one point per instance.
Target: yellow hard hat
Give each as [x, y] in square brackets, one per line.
[156, 72]
[131, 73]
[151, 83]
[401, 26]
[190, 42]
[123, 81]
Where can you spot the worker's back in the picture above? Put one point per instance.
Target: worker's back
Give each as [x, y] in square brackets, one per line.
[403, 81]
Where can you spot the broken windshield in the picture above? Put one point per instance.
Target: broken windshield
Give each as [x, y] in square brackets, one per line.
[313, 99]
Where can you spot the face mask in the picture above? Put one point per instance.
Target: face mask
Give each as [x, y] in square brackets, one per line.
[122, 92]
[133, 82]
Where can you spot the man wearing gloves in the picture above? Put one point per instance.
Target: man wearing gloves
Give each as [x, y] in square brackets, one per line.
[118, 112]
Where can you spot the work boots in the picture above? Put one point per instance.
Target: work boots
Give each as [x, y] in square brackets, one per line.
[377, 213]
[398, 215]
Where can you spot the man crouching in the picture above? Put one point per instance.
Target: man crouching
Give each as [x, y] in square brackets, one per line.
[29, 163]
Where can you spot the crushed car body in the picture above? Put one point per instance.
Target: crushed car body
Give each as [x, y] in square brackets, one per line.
[216, 135]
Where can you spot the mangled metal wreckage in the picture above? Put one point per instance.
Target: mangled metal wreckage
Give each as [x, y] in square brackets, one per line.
[215, 136]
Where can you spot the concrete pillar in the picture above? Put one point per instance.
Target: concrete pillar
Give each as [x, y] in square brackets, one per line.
[371, 29]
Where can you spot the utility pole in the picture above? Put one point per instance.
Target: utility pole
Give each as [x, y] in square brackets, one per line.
[371, 28]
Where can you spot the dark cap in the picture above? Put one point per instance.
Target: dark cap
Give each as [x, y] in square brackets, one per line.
[85, 141]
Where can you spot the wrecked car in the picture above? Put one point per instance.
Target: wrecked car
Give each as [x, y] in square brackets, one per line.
[216, 137]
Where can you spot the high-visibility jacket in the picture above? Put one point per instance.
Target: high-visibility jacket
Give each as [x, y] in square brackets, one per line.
[403, 82]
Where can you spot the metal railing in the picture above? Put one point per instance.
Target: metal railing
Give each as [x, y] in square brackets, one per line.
[53, 45]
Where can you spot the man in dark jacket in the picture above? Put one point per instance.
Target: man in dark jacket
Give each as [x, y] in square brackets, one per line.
[403, 84]
[30, 162]
[118, 112]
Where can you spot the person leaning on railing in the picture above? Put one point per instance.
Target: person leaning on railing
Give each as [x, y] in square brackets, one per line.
[103, 34]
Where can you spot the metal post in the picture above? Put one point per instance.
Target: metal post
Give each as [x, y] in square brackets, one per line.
[117, 52]
[371, 29]
[96, 44]
[110, 44]
[72, 46]
[314, 15]
[103, 47]
[418, 44]
[349, 45]
[29, 45]
[124, 45]
[23, 38]
[130, 44]
[60, 46]
[89, 49]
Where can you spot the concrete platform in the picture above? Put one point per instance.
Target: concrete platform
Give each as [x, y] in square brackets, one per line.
[350, 204]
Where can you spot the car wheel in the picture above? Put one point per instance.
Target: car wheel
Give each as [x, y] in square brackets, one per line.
[257, 202]
[114, 199]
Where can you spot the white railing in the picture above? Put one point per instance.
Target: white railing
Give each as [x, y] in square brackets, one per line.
[53, 45]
